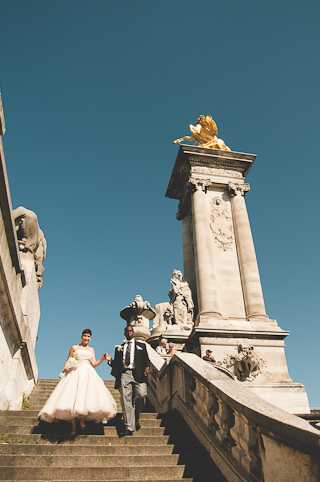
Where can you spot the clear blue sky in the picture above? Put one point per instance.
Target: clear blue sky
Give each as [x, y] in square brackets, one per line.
[94, 92]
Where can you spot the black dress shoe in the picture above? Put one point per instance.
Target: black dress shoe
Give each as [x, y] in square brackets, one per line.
[126, 432]
[138, 426]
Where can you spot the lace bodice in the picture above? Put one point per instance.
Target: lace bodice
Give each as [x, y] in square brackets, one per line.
[83, 353]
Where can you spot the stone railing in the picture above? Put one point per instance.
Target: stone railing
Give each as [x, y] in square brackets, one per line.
[247, 438]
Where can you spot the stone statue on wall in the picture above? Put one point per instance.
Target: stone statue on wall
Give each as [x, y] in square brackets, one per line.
[177, 314]
[246, 363]
[31, 238]
[180, 300]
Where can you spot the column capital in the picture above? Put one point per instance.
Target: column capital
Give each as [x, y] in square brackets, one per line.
[199, 184]
[236, 189]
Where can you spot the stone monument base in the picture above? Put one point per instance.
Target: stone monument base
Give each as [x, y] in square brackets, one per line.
[271, 381]
[173, 335]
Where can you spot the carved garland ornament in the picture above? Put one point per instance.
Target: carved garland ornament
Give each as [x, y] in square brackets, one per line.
[221, 224]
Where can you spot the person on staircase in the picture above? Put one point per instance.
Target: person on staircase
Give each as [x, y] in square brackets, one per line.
[130, 367]
[80, 394]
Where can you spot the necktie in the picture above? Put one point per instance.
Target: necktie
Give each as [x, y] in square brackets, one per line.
[128, 354]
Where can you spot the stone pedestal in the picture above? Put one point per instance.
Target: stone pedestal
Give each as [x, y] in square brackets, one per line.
[221, 267]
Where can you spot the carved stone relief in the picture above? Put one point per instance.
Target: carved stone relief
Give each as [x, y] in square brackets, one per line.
[215, 171]
[245, 362]
[221, 223]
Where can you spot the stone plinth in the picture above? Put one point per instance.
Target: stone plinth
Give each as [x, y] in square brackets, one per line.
[221, 268]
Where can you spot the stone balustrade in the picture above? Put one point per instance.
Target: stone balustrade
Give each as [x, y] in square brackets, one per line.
[248, 438]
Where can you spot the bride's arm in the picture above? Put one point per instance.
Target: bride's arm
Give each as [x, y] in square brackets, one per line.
[70, 353]
[95, 363]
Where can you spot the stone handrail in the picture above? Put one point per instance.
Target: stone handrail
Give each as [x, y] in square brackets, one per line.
[248, 438]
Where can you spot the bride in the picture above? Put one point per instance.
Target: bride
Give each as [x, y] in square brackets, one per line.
[81, 393]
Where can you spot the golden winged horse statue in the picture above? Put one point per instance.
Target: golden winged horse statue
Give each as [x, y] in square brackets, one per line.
[204, 134]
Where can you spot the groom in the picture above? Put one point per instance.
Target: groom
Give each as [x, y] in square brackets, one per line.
[130, 367]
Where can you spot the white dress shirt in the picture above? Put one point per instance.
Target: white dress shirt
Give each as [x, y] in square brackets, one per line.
[132, 342]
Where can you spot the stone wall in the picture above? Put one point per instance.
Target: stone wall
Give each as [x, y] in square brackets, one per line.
[19, 299]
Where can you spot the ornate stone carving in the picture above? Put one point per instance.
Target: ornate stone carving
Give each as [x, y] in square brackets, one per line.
[138, 313]
[221, 223]
[31, 238]
[204, 134]
[245, 363]
[178, 312]
[238, 189]
[199, 183]
[218, 171]
[181, 303]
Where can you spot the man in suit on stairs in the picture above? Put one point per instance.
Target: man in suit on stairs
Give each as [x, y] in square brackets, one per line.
[130, 367]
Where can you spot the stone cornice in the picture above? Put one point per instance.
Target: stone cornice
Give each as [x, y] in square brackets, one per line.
[224, 163]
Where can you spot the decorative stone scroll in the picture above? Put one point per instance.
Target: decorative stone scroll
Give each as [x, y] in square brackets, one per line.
[221, 223]
[31, 238]
[245, 363]
[238, 189]
[199, 183]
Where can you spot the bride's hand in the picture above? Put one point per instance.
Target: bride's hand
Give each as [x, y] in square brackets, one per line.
[107, 357]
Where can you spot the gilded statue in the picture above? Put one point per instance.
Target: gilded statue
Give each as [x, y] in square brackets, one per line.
[204, 134]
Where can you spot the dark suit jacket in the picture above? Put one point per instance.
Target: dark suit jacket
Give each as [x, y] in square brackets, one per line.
[141, 362]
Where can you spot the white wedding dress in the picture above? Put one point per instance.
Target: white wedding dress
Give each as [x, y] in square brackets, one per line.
[81, 393]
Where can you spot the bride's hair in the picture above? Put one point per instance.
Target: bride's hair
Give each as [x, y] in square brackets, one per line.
[86, 331]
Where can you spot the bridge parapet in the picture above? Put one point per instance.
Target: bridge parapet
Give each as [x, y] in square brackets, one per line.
[248, 438]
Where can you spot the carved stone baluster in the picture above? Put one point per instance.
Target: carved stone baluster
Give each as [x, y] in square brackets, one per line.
[225, 420]
[213, 409]
[246, 450]
[191, 386]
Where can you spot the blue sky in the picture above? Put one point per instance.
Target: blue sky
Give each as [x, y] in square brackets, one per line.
[94, 92]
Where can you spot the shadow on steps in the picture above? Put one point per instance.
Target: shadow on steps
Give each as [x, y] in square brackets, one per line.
[61, 431]
[198, 464]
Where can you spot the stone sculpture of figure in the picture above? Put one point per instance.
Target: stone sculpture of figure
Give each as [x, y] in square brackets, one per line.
[181, 300]
[204, 134]
[246, 363]
[31, 238]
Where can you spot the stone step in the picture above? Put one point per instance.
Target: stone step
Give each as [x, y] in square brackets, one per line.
[62, 449]
[33, 421]
[34, 413]
[44, 396]
[38, 406]
[169, 472]
[53, 383]
[29, 429]
[88, 460]
[110, 440]
[109, 480]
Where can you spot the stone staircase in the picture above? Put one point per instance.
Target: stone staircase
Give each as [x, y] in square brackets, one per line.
[30, 451]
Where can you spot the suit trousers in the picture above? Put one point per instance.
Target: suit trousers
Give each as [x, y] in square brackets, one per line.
[133, 395]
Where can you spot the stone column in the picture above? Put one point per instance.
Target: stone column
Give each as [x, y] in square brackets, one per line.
[188, 256]
[251, 284]
[207, 293]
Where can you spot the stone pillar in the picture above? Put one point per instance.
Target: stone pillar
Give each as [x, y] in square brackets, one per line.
[251, 284]
[188, 257]
[207, 294]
